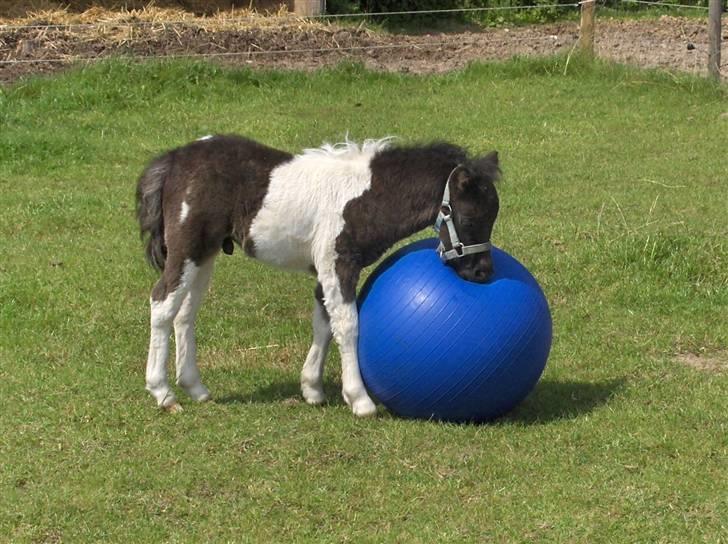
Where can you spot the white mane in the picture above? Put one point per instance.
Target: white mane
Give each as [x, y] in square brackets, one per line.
[350, 150]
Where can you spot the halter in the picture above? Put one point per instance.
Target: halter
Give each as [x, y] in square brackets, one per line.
[459, 249]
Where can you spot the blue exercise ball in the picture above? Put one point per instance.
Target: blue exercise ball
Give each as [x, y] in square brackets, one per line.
[434, 346]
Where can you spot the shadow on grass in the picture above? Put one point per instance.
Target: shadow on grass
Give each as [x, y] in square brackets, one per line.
[281, 392]
[556, 400]
[552, 400]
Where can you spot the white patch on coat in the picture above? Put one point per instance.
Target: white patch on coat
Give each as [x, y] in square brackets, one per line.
[302, 212]
[184, 212]
[204, 138]
[297, 226]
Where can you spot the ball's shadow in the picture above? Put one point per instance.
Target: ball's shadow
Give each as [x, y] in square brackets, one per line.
[551, 400]
[554, 400]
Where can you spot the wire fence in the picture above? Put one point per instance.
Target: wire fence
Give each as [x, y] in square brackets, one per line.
[294, 16]
[253, 49]
[373, 15]
[665, 4]
[48, 43]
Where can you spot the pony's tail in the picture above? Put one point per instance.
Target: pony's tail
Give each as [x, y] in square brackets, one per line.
[149, 209]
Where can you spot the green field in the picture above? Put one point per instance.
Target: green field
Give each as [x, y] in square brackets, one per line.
[614, 196]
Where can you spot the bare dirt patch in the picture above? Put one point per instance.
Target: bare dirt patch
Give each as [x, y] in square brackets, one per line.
[285, 41]
[705, 362]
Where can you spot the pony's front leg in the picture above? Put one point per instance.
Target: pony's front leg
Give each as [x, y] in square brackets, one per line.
[345, 326]
[312, 375]
[340, 302]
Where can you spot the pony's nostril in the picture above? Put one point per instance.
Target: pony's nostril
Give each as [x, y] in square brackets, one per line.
[482, 274]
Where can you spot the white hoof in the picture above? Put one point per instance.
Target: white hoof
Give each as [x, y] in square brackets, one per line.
[163, 395]
[313, 395]
[198, 392]
[175, 408]
[361, 405]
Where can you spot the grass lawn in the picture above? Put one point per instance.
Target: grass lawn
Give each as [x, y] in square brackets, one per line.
[614, 197]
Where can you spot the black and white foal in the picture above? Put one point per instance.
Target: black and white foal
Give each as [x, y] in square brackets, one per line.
[329, 211]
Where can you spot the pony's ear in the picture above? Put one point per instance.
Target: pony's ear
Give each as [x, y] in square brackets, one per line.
[463, 178]
[488, 166]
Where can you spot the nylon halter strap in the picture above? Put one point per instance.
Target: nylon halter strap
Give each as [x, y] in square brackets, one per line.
[459, 249]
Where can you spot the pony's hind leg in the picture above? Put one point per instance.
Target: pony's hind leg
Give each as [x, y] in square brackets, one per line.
[167, 297]
[188, 374]
[312, 385]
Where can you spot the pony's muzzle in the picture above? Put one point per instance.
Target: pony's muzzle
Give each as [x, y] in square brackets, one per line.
[477, 268]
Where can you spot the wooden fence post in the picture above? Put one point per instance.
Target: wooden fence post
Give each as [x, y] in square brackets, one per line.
[714, 38]
[308, 8]
[586, 27]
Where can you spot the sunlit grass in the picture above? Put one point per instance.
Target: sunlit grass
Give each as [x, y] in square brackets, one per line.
[613, 196]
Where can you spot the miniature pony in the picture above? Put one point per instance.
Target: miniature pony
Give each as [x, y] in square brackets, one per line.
[329, 211]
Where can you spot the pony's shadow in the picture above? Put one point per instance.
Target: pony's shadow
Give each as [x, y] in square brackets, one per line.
[282, 391]
[552, 400]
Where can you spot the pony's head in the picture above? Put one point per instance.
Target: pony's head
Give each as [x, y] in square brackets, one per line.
[467, 216]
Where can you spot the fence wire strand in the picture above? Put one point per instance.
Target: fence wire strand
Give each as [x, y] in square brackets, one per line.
[453, 10]
[254, 53]
[289, 16]
[663, 4]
